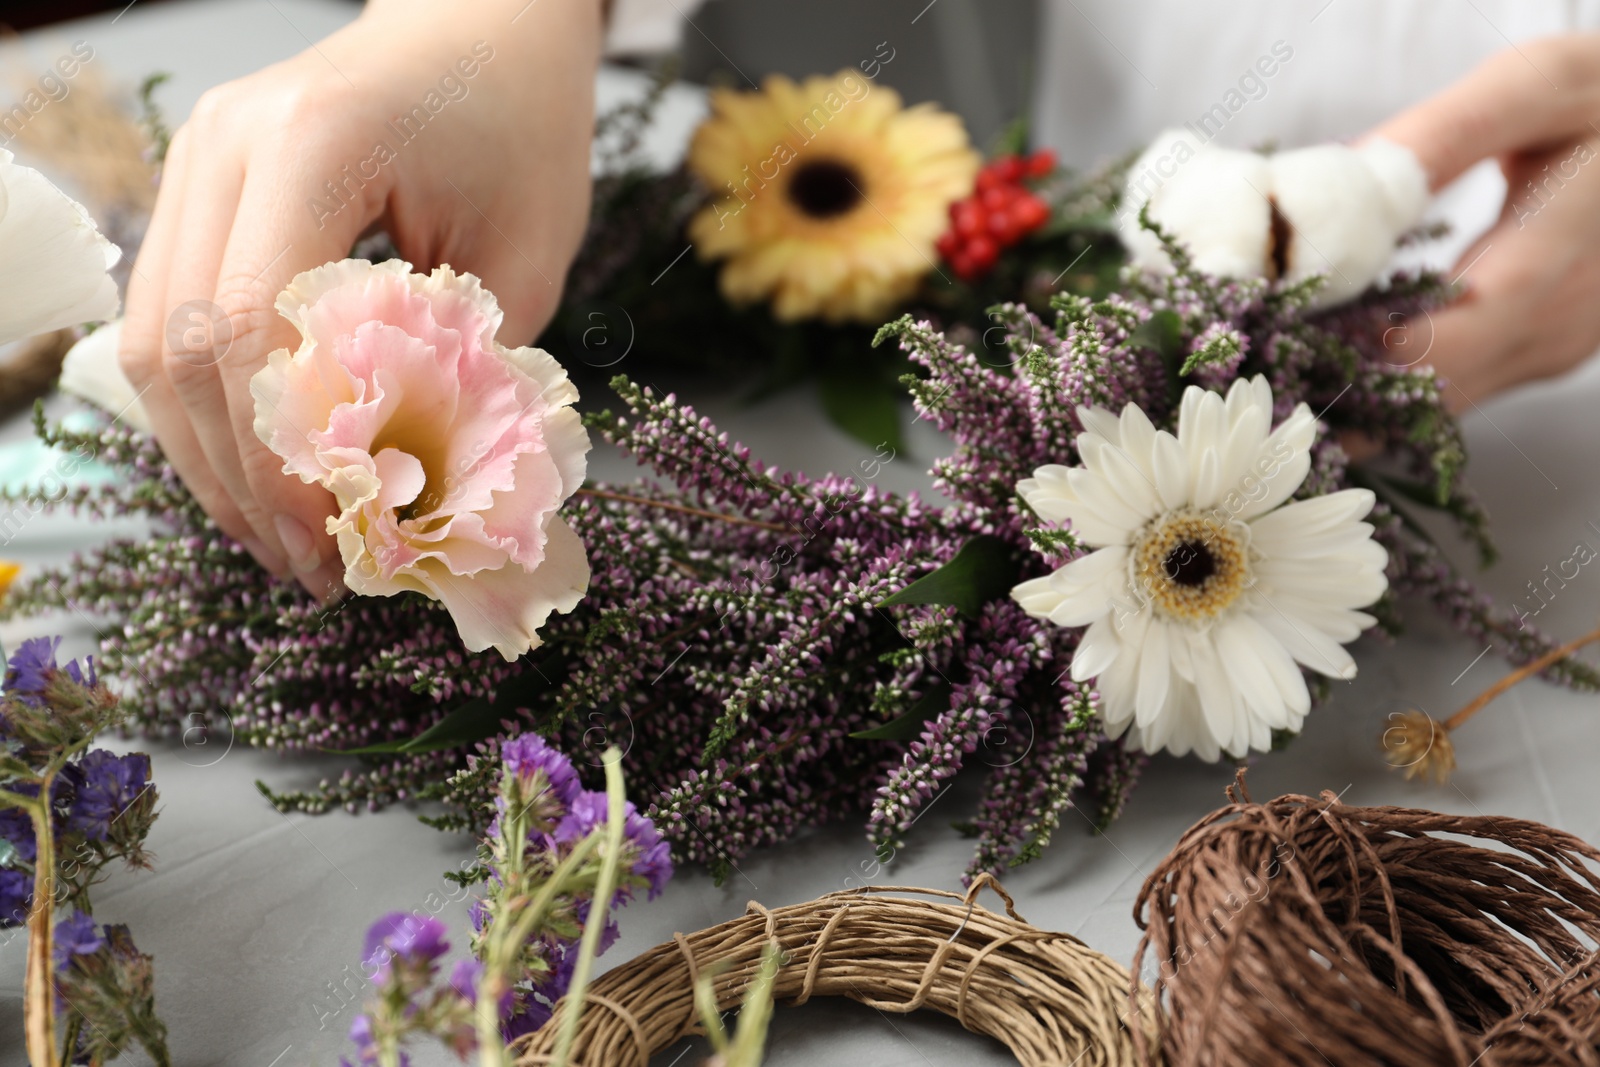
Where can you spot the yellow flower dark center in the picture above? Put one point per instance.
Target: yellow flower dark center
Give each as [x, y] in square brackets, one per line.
[1190, 566]
[825, 188]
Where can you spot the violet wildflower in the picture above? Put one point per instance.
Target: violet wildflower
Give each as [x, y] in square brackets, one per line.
[16, 897]
[528, 754]
[30, 666]
[412, 938]
[76, 935]
[107, 786]
[16, 829]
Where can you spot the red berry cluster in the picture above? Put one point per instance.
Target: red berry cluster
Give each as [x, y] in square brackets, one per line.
[1000, 212]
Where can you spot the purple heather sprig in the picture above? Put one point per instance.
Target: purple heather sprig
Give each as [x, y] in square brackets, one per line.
[733, 642]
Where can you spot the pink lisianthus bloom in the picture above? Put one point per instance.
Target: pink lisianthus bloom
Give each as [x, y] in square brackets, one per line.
[449, 454]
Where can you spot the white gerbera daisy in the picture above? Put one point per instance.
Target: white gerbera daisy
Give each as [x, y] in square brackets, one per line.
[1204, 589]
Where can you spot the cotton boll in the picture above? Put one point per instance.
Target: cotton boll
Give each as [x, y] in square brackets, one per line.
[91, 371]
[1402, 179]
[1340, 219]
[1212, 201]
[53, 262]
[1340, 210]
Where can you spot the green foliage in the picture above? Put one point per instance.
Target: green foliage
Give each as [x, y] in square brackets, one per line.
[984, 569]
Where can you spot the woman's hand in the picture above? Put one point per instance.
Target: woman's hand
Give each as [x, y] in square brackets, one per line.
[462, 129]
[1530, 310]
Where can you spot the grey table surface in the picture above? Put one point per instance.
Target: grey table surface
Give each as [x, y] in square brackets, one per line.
[255, 918]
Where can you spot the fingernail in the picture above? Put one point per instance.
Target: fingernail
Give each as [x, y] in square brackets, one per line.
[269, 560]
[298, 542]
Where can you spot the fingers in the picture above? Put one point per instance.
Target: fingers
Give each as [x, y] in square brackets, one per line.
[143, 360]
[273, 239]
[1531, 96]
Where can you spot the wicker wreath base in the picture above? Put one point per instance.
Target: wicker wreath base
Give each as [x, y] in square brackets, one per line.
[1047, 997]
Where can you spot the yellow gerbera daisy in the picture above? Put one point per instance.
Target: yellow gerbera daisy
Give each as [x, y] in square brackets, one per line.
[829, 194]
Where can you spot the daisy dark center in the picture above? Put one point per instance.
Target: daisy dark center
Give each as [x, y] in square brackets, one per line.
[1189, 567]
[1190, 564]
[825, 188]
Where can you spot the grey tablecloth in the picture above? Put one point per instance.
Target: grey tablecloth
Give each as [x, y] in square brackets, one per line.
[256, 918]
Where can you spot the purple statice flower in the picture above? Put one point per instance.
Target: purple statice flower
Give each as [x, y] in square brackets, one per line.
[85, 675]
[366, 1047]
[464, 979]
[106, 785]
[16, 828]
[408, 936]
[653, 855]
[76, 935]
[16, 895]
[29, 668]
[532, 1014]
[32, 664]
[654, 862]
[528, 754]
[585, 812]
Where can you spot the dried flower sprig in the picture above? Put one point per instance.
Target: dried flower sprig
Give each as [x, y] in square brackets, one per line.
[65, 815]
[551, 852]
[1420, 746]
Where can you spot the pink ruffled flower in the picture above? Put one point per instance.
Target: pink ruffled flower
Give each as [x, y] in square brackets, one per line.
[449, 454]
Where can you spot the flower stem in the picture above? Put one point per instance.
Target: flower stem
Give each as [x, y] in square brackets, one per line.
[599, 907]
[505, 948]
[1516, 676]
[737, 520]
[39, 997]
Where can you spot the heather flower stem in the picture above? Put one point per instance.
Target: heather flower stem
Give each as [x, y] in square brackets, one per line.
[599, 907]
[1518, 675]
[737, 520]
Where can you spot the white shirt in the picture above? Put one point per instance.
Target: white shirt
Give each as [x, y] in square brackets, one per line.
[1116, 72]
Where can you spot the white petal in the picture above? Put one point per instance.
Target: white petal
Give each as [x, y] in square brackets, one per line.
[1155, 673]
[1132, 485]
[1138, 438]
[1076, 593]
[1286, 676]
[92, 371]
[1286, 457]
[1171, 469]
[1102, 502]
[53, 262]
[1101, 422]
[1097, 649]
[1313, 517]
[1238, 642]
[1308, 645]
[1217, 698]
[1207, 488]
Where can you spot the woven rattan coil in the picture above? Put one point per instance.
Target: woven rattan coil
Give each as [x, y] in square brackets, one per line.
[1047, 997]
[1306, 931]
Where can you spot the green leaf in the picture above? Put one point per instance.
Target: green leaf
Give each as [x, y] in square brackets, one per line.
[983, 570]
[862, 405]
[905, 727]
[1161, 333]
[475, 720]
